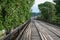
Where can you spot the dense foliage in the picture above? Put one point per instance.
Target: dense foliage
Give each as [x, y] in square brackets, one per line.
[14, 13]
[48, 12]
[58, 11]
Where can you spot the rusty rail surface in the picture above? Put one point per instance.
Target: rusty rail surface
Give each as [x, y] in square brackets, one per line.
[18, 32]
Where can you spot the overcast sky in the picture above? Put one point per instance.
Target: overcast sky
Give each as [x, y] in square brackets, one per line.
[35, 6]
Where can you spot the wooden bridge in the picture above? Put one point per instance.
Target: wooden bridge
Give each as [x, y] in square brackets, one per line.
[35, 30]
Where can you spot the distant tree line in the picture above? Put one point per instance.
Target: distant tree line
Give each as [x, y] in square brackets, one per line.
[34, 14]
[14, 13]
[50, 12]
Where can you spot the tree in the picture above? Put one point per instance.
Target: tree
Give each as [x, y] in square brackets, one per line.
[14, 13]
[48, 11]
[57, 11]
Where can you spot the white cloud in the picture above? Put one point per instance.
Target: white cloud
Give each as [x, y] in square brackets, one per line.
[42, 1]
[35, 6]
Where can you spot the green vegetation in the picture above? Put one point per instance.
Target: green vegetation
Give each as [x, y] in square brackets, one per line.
[48, 13]
[58, 11]
[14, 13]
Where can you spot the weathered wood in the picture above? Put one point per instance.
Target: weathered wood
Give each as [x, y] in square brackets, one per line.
[13, 35]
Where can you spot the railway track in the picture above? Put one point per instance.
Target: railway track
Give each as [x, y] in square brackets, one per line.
[48, 31]
[35, 32]
[43, 35]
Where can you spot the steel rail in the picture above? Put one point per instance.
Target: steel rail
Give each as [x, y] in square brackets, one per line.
[50, 30]
[38, 31]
